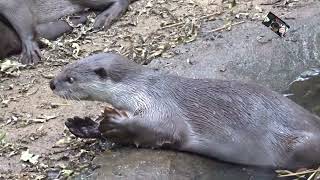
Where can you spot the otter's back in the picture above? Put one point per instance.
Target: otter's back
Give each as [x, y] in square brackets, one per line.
[47, 11]
[239, 122]
[228, 107]
[229, 102]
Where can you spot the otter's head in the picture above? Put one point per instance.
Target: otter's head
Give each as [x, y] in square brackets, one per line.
[98, 77]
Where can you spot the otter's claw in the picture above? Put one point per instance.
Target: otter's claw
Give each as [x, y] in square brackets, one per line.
[83, 128]
[110, 113]
[114, 122]
[31, 53]
[105, 19]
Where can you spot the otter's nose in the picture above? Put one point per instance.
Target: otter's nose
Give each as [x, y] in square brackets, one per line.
[52, 86]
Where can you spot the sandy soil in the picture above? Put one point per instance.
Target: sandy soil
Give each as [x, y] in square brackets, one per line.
[31, 117]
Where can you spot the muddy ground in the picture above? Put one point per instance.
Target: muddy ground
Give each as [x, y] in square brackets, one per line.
[32, 118]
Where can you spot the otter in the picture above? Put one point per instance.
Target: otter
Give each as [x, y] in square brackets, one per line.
[236, 122]
[10, 43]
[26, 17]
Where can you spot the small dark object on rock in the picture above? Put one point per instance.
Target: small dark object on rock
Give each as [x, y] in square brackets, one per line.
[223, 69]
[276, 24]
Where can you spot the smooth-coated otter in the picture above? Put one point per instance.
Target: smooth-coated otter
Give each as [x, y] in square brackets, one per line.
[10, 43]
[229, 120]
[25, 17]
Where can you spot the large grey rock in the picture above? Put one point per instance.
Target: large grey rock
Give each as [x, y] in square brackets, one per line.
[127, 163]
[271, 60]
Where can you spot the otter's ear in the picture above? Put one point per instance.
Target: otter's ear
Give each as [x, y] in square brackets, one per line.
[101, 72]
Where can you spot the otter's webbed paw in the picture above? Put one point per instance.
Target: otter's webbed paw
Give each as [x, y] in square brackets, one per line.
[114, 123]
[31, 53]
[105, 19]
[83, 128]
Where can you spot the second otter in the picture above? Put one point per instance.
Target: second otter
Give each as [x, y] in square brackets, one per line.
[10, 43]
[25, 16]
[229, 120]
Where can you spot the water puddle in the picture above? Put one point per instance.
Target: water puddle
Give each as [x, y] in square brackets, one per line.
[305, 90]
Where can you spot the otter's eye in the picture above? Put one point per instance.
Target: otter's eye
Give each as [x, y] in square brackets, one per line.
[101, 72]
[70, 80]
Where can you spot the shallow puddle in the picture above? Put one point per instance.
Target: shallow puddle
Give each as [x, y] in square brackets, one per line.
[305, 90]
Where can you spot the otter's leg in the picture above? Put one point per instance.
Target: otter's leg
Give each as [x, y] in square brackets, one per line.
[118, 127]
[113, 12]
[83, 128]
[53, 30]
[10, 43]
[21, 19]
[305, 152]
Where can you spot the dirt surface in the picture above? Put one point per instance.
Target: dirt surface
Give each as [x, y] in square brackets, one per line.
[32, 118]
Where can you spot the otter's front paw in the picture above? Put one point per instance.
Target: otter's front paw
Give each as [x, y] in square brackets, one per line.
[31, 53]
[103, 22]
[83, 128]
[113, 123]
[106, 18]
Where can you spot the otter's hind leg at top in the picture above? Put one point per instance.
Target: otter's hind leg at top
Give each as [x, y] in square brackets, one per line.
[10, 43]
[53, 30]
[21, 19]
[114, 9]
[306, 153]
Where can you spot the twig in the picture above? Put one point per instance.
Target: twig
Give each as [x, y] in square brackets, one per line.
[59, 104]
[312, 175]
[285, 14]
[29, 94]
[200, 18]
[209, 15]
[270, 3]
[63, 150]
[172, 25]
[300, 173]
[225, 26]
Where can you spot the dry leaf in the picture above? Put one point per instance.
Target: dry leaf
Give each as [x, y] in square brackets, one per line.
[28, 157]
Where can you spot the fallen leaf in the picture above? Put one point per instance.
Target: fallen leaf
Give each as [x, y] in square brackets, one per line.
[40, 177]
[34, 159]
[66, 140]
[28, 157]
[67, 172]
[2, 135]
[43, 119]
[25, 155]
[9, 66]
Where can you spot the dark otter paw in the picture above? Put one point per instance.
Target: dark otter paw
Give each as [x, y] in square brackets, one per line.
[83, 128]
[106, 18]
[31, 53]
[113, 122]
[102, 22]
